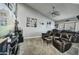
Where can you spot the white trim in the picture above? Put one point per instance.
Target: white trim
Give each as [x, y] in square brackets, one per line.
[32, 37]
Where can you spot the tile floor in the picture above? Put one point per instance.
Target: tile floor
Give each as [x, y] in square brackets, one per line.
[36, 46]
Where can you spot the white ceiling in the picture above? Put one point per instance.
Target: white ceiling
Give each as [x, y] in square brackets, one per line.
[66, 10]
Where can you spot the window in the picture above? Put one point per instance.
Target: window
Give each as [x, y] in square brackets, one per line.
[3, 22]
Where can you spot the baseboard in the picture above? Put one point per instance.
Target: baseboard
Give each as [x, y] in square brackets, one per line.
[32, 37]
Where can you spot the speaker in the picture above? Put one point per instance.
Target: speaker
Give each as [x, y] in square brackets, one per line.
[77, 17]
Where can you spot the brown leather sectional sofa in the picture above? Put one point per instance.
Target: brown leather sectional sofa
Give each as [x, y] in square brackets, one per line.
[61, 39]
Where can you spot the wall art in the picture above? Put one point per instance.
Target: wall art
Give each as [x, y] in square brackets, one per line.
[31, 22]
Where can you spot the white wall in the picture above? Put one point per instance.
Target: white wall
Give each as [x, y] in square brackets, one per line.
[24, 11]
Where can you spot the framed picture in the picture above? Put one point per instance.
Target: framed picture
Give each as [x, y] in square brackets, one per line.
[31, 22]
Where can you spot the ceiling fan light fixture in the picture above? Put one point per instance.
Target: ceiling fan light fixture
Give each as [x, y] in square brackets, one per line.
[54, 12]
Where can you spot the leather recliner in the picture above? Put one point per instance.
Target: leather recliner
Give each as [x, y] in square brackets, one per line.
[47, 37]
[62, 44]
[75, 38]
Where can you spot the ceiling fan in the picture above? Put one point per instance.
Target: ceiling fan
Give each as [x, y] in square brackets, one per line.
[54, 12]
